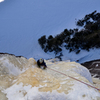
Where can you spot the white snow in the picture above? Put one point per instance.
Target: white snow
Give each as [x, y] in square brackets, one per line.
[80, 70]
[10, 67]
[84, 91]
[32, 93]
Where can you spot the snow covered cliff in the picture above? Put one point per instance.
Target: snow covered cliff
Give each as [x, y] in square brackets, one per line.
[20, 79]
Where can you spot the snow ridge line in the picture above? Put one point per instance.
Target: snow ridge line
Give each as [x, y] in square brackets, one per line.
[75, 79]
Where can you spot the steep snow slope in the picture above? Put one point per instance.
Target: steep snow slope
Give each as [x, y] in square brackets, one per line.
[23, 22]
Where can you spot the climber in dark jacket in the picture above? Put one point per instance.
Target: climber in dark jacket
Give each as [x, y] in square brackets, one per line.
[41, 63]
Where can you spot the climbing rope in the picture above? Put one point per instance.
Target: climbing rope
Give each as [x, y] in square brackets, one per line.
[74, 79]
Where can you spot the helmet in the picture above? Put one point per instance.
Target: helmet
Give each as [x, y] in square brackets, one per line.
[41, 60]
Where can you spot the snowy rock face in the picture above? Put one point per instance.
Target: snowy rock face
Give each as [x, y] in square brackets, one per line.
[20, 79]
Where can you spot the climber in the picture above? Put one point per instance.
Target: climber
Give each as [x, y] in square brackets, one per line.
[41, 63]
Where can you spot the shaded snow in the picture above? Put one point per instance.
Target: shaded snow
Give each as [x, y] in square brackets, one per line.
[23, 22]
